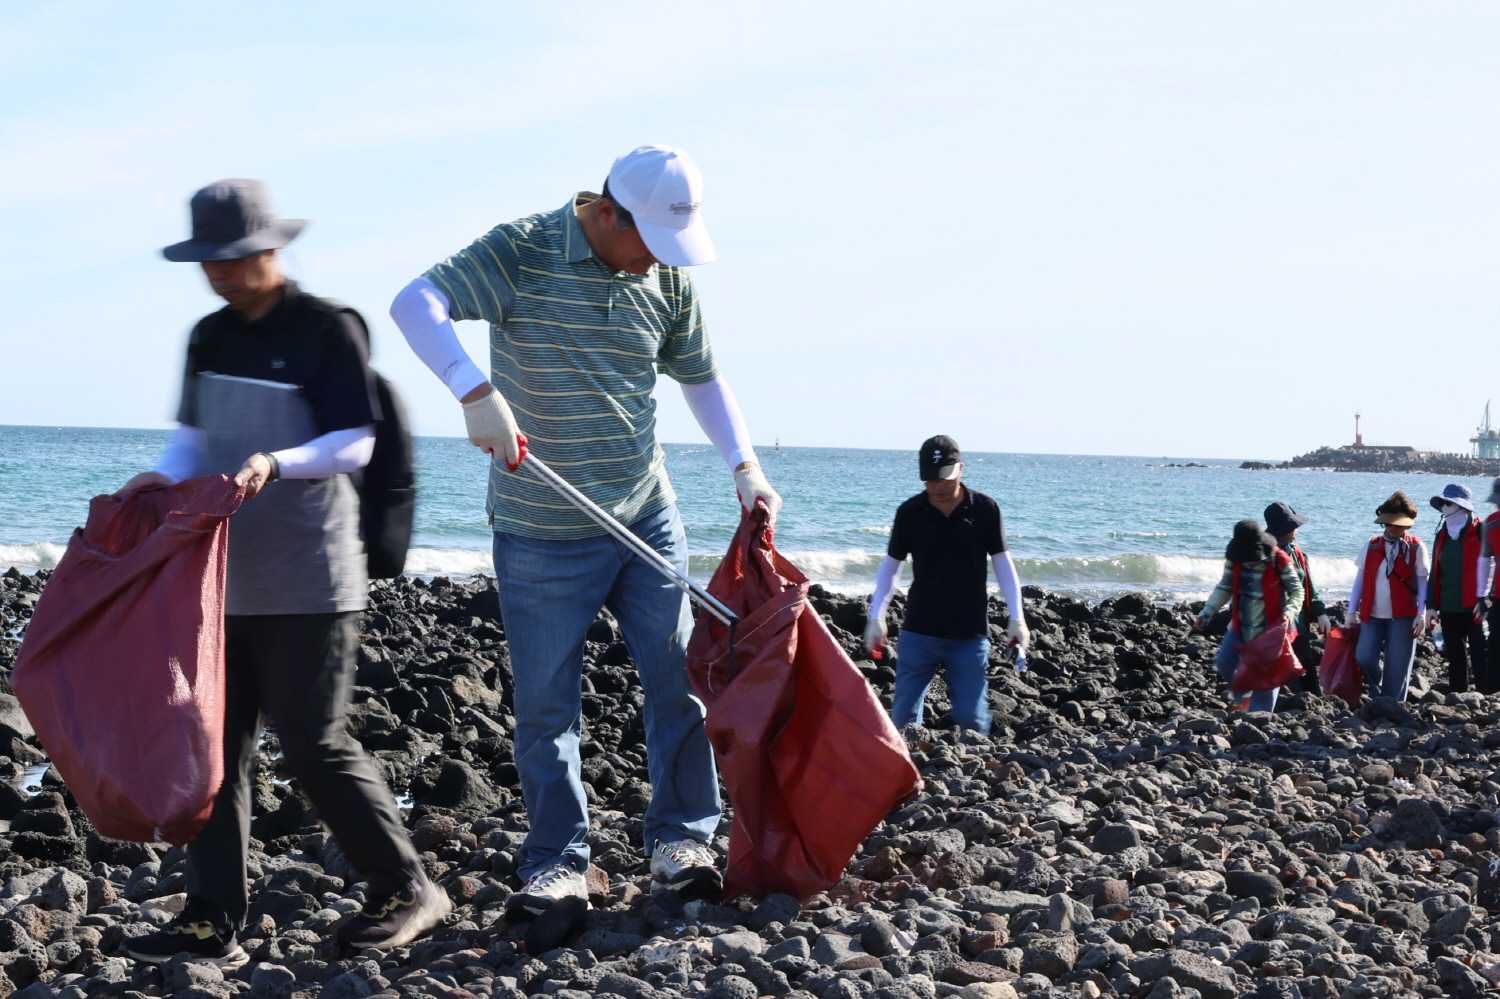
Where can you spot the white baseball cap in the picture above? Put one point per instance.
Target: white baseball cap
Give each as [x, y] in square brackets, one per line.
[663, 189]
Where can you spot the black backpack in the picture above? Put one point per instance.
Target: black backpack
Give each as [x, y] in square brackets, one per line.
[388, 485]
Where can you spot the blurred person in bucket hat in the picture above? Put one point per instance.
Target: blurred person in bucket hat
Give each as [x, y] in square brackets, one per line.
[1261, 587]
[1454, 588]
[1387, 601]
[1282, 523]
[278, 393]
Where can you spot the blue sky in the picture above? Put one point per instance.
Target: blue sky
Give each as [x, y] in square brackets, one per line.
[1145, 228]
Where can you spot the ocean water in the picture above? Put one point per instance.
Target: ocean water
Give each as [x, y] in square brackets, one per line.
[1090, 526]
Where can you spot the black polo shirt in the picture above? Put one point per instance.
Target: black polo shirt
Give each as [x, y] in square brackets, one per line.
[950, 563]
[302, 341]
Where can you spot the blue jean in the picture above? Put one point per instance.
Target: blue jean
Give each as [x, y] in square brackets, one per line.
[1393, 636]
[1227, 660]
[966, 659]
[550, 592]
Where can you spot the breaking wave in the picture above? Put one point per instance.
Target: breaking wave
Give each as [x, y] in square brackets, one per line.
[37, 555]
[1168, 577]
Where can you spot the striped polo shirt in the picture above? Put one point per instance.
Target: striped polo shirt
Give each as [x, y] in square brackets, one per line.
[575, 348]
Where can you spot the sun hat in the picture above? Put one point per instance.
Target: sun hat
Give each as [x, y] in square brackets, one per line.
[938, 458]
[1457, 495]
[1249, 543]
[1282, 520]
[1397, 511]
[663, 189]
[233, 219]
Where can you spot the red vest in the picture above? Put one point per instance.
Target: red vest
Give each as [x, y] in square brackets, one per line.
[1403, 577]
[1270, 589]
[1471, 536]
[1300, 558]
[1489, 522]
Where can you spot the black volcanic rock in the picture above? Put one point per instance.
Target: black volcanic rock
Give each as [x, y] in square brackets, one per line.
[1118, 827]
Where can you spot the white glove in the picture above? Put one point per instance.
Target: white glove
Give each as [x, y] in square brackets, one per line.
[751, 485]
[1020, 635]
[492, 427]
[1323, 625]
[1419, 623]
[876, 633]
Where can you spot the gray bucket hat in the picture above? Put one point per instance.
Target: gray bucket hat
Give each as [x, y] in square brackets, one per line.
[233, 219]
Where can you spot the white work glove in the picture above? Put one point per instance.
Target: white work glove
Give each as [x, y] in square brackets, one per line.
[751, 485]
[492, 428]
[1323, 625]
[1019, 634]
[1419, 623]
[876, 633]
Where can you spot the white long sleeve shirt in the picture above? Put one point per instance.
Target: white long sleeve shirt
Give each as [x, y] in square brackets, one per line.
[331, 454]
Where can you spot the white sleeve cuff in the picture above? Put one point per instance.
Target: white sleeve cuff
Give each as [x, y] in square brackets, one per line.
[1010, 582]
[421, 313]
[885, 586]
[714, 407]
[184, 453]
[332, 454]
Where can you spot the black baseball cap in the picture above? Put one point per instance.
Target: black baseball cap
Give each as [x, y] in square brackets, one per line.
[939, 458]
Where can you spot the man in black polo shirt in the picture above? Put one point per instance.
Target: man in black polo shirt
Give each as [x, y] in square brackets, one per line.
[278, 393]
[950, 532]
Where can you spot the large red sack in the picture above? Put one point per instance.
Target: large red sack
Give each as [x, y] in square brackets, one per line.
[1338, 673]
[122, 668]
[811, 760]
[1267, 661]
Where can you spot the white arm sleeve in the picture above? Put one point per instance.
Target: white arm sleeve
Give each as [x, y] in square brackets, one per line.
[714, 407]
[1484, 572]
[885, 586]
[421, 313]
[184, 453]
[332, 454]
[1359, 587]
[1010, 583]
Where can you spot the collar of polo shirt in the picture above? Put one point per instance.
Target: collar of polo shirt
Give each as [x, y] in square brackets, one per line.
[576, 246]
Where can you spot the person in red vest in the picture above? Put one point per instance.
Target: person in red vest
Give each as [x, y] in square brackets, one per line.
[1487, 582]
[1386, 604]
[1453, 591]
[1262, 588]
[1282, 523]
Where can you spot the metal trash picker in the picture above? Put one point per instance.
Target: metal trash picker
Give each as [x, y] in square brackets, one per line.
[621, 533]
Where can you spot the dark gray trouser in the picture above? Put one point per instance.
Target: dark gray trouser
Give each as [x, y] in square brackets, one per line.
[296, 669]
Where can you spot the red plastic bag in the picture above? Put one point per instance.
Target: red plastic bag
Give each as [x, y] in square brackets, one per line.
[1267, 661]
[809, 756]
[122, 668]
[1338, 673]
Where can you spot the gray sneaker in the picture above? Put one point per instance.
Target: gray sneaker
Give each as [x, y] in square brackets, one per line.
[687, 867]
[545, 888]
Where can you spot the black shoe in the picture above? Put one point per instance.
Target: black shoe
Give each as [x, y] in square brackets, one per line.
[194, 931]
[399, 917]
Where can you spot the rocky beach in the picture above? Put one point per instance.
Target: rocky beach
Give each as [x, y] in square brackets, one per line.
[1117, 834]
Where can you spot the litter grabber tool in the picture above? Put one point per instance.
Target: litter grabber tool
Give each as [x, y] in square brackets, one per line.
[621, 533]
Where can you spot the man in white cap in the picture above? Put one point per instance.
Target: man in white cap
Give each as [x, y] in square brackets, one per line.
[586, 304]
